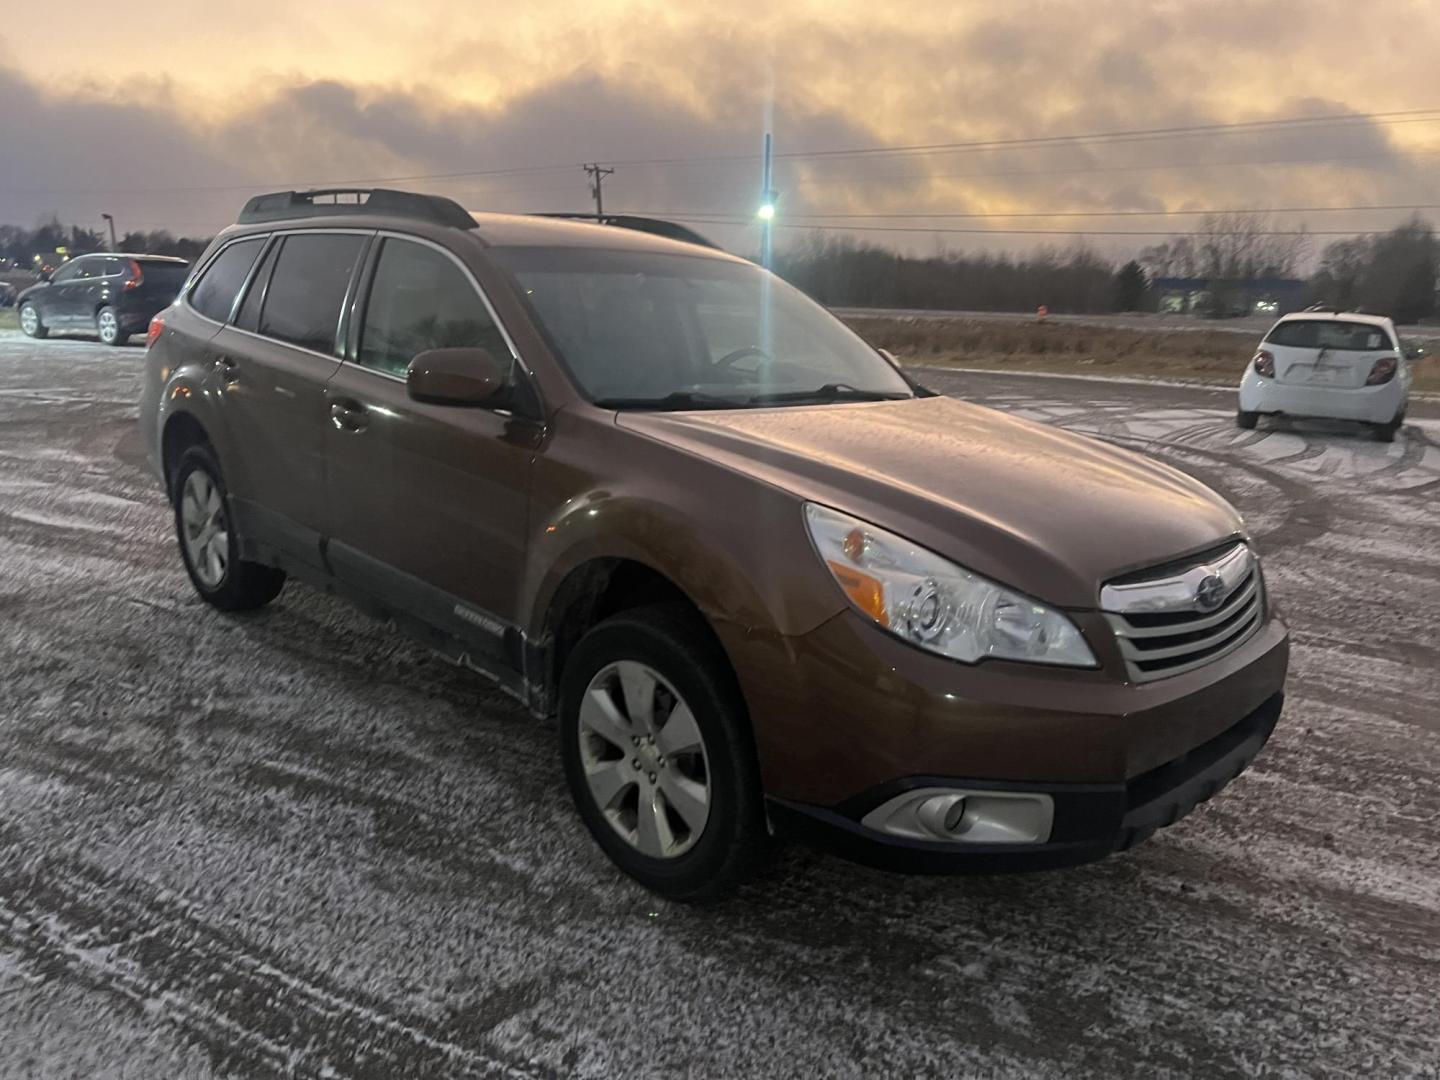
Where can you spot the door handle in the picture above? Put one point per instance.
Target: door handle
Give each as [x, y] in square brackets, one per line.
[348, 415]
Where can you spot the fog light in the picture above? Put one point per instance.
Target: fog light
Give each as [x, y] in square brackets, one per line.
[966, 816]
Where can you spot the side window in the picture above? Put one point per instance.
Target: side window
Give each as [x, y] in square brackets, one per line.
[307, 289]
[420, 299]
[112, 267]
[69, 272]
[214, 294]
[86, 269]
[249, 317]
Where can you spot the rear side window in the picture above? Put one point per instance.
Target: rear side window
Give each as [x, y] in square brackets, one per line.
[249, 317]
[1329, 334]
[214, 294]
[307, 289]
[113, 267]
[420, 299]
[169, 275]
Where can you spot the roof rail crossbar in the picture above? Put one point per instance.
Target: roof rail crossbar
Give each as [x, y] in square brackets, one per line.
[325, 202]
[672, 230]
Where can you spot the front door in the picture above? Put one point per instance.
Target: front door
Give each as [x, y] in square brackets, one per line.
[272, 363]
[428, 503]
[64, 298]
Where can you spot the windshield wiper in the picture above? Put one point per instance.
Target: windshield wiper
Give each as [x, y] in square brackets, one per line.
[835, 391]
[680, 399]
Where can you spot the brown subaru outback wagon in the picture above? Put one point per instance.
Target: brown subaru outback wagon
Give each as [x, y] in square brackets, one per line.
[767, 583]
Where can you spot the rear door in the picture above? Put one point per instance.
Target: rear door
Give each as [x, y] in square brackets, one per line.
[428, 503]
[1327, 353]
[272, 362]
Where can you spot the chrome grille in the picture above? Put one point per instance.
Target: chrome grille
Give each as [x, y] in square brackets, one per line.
[1185, 616]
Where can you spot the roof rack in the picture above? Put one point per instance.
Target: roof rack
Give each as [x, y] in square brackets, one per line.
[672, 230]
[322, 202]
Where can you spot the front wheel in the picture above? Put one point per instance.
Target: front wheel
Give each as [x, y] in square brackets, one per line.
[1246, 420]
[30, 323]
[208, 543]
[107, 327]
[658, 753]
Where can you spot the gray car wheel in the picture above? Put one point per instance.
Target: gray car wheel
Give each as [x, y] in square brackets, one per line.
[107, 327]
[30, 323]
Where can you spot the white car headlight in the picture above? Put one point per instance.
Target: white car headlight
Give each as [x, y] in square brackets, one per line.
[935, 604]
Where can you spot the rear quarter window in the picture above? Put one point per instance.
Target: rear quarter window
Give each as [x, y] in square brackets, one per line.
[1330, 334]
[214, 294]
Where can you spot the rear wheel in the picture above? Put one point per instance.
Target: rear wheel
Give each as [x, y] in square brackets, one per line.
[107, 326]
[658, 753]
[1386, 432]
[208, 543]
[30, 322]
[1246, 420]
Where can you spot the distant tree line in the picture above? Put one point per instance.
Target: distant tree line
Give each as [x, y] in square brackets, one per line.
[843, 272]
[1393, 274]
[20, 245]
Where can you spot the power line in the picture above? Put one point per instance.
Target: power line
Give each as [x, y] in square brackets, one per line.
[287, 184]
[1239, 127]
[1069, 213]
[737, 220]
[1251, 126]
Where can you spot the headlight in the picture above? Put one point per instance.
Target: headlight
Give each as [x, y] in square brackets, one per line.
[933, 603]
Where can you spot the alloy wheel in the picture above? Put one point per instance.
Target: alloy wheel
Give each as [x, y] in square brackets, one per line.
[644, 759]
[109, 326]
[29, 319]
[205, 529]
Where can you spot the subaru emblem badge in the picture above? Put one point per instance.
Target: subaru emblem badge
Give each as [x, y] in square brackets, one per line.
[1210, 592]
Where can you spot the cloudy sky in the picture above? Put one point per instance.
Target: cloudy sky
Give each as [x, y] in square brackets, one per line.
[170, 115]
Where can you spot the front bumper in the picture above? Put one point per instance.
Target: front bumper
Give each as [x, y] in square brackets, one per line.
[1090, 820]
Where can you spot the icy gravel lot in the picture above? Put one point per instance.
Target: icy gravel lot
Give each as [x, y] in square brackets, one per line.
[295, 844]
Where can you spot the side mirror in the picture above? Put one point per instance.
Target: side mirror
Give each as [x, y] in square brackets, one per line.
[45, 276]
[456, 377]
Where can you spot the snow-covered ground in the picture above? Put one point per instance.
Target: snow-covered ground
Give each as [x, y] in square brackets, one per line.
[295, 844]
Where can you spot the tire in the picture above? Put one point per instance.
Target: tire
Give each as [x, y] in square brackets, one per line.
[672, 644]
[30, 322]
[1246, 420]
[219, 575]
[107, 327]
[1386, 432]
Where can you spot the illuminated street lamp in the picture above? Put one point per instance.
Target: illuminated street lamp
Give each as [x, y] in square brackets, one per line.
[766, 213]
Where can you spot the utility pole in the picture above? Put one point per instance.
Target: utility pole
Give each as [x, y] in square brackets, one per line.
[597, 176]
[111, 222]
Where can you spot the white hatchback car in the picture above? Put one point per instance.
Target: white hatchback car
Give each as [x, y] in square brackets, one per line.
[1335, 364]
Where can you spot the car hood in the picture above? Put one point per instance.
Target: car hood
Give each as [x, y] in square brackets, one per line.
[1042, 510]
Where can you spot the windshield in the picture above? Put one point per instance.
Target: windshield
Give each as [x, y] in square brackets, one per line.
[649, 330]
[1329, 334]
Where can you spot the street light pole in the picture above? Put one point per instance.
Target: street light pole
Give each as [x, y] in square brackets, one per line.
[111, 222]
